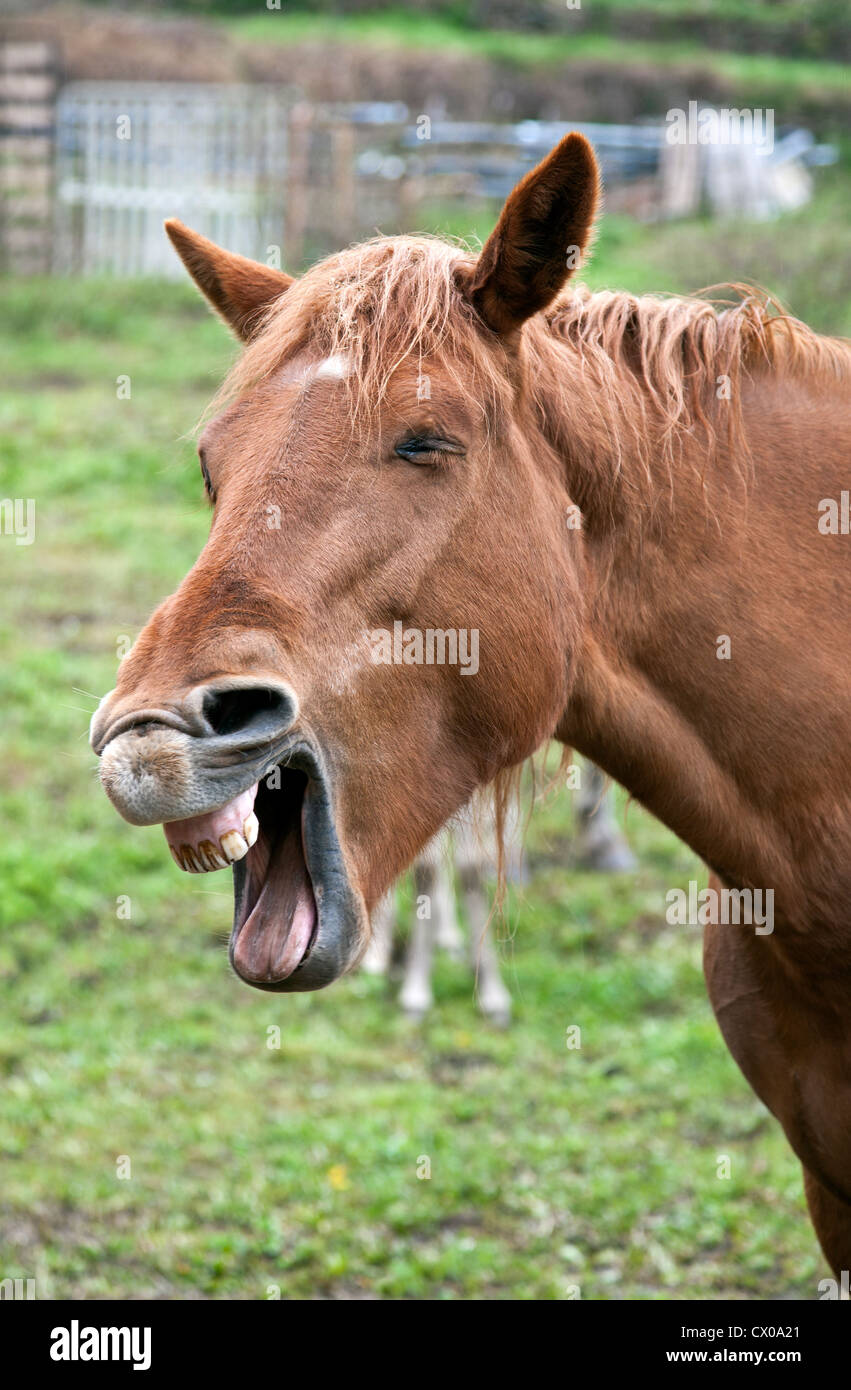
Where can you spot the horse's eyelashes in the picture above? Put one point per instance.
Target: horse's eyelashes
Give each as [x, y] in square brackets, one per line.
[427, 450]
[205, 474]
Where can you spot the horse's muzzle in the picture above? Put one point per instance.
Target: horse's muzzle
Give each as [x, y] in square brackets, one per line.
[179, 759]
[230, 760]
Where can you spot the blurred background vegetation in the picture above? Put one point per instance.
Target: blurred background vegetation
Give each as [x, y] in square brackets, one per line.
[798, 28]
[297, 1166]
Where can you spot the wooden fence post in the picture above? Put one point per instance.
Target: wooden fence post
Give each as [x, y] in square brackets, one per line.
[680, 180]
[28, 83]
[343, 180]
[298, 172]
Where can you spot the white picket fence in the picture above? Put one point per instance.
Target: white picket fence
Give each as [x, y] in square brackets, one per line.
[129, 155]
[267, 176]
[253, 171]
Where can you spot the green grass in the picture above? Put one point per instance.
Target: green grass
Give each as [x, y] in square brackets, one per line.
[296, 1166]
[760, 76]
[470, 16]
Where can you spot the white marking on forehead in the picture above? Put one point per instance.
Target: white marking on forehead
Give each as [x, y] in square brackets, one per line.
[334, 368]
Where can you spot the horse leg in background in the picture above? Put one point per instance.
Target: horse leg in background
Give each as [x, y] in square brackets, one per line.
[795, 1054]
[600, 843]
[472, 865]
[434, 901]
[379, 952]
[446, 928]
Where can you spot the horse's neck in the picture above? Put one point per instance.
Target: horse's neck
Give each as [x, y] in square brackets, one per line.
[716, 660]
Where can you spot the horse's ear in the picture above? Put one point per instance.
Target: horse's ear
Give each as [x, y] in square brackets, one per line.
[239, 289]
[539, 240]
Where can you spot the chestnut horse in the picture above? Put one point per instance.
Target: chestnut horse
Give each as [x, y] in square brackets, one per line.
[631, 508]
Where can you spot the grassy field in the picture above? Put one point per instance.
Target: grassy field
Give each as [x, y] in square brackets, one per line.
[765, 77]
[126, 1038]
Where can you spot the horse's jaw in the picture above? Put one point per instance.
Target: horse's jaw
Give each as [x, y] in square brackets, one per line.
[265, 807]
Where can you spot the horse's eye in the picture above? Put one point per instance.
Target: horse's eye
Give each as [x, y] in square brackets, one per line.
[205, 474]
[427, 449]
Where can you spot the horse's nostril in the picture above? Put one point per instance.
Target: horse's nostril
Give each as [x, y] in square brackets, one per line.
[235, 710]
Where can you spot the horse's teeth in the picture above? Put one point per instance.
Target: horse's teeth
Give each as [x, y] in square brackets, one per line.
[190, 860]
[233, 846]
[210, 857]
[206, 856]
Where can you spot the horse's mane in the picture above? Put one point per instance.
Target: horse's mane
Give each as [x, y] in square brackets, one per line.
[661, 366]
[395, 300]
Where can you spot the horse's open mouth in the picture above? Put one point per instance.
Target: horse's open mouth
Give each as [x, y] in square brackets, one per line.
[296, 917]
[275, 913]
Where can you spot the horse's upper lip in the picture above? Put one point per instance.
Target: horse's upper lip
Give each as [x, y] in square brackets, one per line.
[138, 719]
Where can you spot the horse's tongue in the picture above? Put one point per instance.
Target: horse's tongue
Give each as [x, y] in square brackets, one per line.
[214, 841]
[274, 937]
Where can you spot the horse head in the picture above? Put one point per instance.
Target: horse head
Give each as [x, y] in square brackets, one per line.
[387, 610]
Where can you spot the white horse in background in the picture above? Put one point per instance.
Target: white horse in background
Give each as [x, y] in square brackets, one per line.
[459, 854]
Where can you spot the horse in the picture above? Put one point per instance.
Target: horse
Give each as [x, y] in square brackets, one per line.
[462, 505]
[465, 852]
[456, 853]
